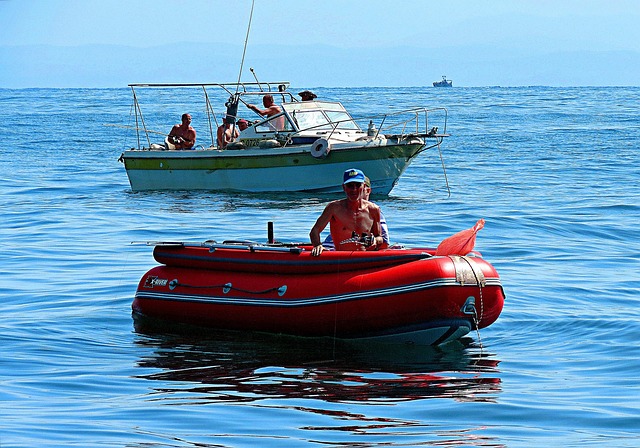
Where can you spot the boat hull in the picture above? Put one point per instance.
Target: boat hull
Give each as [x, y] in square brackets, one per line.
[266, 170]
[394, 296]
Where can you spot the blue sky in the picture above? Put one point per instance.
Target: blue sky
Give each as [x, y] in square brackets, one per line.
[108, 43]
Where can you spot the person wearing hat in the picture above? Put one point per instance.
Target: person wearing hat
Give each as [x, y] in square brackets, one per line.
[243, 124]
[307, 95]
[384, 229]
[353, 215]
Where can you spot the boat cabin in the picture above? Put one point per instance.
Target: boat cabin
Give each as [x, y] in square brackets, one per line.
[303, 122]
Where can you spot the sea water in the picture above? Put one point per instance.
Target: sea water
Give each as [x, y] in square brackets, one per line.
[553, 171]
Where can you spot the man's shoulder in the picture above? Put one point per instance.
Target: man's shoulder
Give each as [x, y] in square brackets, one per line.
[374, 209]
[338, 203]
[371, 205]
[336, 207]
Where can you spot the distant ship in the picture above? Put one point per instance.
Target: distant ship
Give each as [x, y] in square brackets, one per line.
[444, 83]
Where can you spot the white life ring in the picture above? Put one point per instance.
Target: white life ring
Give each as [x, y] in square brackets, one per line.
[321, 148]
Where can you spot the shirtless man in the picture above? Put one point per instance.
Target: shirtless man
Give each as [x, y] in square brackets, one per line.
[270, 110]
[384, 228]
[226, 134]
[183, 136]
[349, 215]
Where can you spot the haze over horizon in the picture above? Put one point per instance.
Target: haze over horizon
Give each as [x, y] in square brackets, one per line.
[112, 43]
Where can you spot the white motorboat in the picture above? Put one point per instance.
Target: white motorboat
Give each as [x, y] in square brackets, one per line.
[306, 147]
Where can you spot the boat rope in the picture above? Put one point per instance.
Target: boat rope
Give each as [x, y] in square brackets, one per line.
[134, 128]
[476, 319]
[228, 287]
[138, 112]
[444, 169]
[209, 108]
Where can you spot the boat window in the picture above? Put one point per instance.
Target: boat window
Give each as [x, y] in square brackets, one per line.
[345, 121]
[312, 119]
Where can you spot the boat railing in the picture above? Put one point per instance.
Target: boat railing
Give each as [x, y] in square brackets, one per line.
[402, 124]
[228, 86]
[232, 88]
[412, 122]
[286, 94]
[418, 117]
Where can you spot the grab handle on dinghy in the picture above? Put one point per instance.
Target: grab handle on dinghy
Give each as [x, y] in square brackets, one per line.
[228, 287]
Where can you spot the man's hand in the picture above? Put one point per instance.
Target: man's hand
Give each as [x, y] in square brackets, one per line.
[370, 241]
[317, 250]
[367, 239]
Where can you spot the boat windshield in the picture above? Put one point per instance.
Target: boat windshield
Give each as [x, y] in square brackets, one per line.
[343, 119]
[311, 119]
[324, 120]
[277, 123]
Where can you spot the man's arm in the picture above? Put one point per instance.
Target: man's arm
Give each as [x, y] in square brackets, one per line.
[254, 108]
[318, 227]
[378, 242]
[268, 112]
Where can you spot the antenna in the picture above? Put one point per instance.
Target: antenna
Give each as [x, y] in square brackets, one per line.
[245, 46]
[254, 75]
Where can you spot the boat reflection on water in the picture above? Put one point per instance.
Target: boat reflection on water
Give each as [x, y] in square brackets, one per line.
[243, 367]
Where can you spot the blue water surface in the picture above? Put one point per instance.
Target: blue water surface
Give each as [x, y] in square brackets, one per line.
[553, 171]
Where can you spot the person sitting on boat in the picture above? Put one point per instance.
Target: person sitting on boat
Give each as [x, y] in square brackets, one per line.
[384, 229]
[307, 95]
[227, 133]
[270, 110]
[243, 124]
[354, 221]
[182, 136]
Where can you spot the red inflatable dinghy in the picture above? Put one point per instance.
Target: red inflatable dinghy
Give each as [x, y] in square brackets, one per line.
[395, 295]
